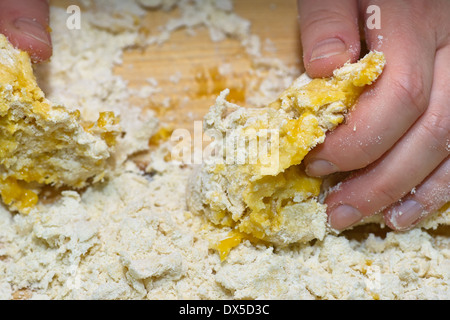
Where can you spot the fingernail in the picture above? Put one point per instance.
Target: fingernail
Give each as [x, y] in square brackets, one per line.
[344, 216]
[328, 48]
[33, 29]
[404, 215]
[319, 168]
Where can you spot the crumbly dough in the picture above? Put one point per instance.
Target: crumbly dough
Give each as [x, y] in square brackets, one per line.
[42, 143]
[264, 192]
[131, 235]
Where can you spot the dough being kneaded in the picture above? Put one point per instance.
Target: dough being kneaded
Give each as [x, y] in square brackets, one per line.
[254, 182]
[41, 143]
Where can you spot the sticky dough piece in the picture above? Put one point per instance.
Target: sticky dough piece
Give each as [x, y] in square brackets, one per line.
[264, 193]
[42, 143]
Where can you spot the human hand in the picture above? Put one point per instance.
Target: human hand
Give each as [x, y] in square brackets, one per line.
[25, 24]
[397, 138]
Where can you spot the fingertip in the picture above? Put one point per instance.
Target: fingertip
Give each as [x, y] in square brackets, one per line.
[320, 168]
[328, 55]
[343, 216]
[38, 52]
[430, 197]
[330, 35]
[25, 24]
[38, 44]
[404, 215]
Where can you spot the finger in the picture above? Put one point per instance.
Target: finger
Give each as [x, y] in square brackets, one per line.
[434, 192]
[407, 165]
[330, 34]
[427, 198]
[25, 24]
[388, 109]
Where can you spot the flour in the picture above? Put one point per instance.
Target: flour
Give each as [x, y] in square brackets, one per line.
[132, 237]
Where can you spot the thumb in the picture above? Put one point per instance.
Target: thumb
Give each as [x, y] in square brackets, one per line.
[330, 34]
[25, 24]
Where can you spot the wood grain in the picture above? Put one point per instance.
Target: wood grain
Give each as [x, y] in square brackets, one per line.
[194, 60]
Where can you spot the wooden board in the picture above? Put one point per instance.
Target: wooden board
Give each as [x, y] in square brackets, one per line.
[193, 60]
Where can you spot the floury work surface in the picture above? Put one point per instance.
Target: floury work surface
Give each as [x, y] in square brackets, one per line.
[131, 236]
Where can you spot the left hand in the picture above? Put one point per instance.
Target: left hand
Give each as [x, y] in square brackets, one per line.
[25, 24]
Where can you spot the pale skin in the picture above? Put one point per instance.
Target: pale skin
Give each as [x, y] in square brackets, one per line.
[26, 24]
[397, 137]
[396, 140]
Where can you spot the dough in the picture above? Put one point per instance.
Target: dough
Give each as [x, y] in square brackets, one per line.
[41, 143]
[254, 182]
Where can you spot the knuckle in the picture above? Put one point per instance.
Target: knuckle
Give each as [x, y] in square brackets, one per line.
[437, 127]
[363, 152]
[387, 192]
[410, 89]
[363, 155]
